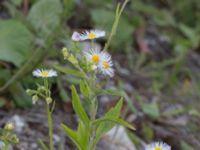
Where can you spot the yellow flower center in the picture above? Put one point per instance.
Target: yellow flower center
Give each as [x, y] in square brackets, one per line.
[158, 148]
[45, 73]
[91, 35]
[106, 65]
[95, 58]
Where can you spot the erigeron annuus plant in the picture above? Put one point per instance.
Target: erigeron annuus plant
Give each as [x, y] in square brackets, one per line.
[91, 63]
[43, 91]
[88, 64]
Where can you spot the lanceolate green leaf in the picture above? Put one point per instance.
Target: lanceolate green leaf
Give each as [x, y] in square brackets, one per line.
[69, 71]
[114, 120]
[106, 126]
[78, 108]
[83, 135]
[72, 135]
[85, 90]
[15, 42]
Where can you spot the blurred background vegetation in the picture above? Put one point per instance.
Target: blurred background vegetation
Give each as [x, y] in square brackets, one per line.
[155, 51]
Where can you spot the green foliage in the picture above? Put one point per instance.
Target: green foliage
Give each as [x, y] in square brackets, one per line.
[85, 89]
[16, 2]
[69, 71]
[151, 110]
[15, 42]
[45, 16]
[78, 107]
[79, 137]
[104, 127]
[186, 146]
[21, 99]
[68, 6]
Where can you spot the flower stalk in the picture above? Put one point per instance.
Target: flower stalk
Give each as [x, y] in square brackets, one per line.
[49, 114]
[43, 91]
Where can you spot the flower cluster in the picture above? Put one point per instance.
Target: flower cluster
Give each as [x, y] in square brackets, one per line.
[100, 60]
[158, 146]
[7, 136]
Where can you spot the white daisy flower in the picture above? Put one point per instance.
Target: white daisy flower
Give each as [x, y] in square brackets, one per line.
[76, 36]
[94, 56]
[106, 65]
[93, 34]
[44, 73]
[158, 146]
[88, 35]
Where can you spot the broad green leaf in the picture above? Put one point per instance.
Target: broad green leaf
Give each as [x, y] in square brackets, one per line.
[105, 127]
[69, 71]
[85, 90]
[15, 42]
[78, 108]
[72, 135]
[69, 6]
[151, 110]
[16, 2]
[45, 16]
[4, 76]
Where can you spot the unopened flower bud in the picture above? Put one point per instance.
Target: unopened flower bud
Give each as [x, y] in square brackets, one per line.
[65, 52]
[41, 89]
[14, 139]
[49, 100]
[9, 127]
[29, 92]
[34, 99]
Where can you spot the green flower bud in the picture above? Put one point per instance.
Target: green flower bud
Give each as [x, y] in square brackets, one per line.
[70, 57]
[41, 89]
[34, 99]
[49, 100]
[9, 127]
[14, 139]
[65, 52]
[29, 92]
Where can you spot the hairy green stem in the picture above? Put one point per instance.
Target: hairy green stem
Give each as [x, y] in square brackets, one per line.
[6, 146]
[118, 13]
[49, 117]
[93, 112]
[50, 125]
